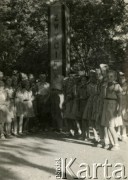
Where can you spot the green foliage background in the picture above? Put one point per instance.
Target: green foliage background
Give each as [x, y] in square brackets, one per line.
[99, 34]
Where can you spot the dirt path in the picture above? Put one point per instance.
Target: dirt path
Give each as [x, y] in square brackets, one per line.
[33, 157]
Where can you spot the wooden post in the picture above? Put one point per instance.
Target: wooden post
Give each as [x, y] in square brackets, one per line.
[59, 38]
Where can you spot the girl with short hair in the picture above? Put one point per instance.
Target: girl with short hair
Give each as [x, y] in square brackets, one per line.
[111, 116]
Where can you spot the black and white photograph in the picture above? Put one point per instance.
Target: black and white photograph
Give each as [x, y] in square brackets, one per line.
[63, 89]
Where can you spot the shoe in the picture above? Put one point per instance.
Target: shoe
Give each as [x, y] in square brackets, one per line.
[79, 132]
[8, 136]
[2, 137]
[119, 137]
[100, 145]
[95, 141]
[20, 134]
[115, 148]
[14, 134]
[72, 132]
[106, 146]
[124, 139]
[86, 139]
[66, 133]
[59, 132]
[81, 138]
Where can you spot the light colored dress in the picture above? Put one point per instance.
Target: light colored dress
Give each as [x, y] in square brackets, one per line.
[109, 115]
[125, 103]
[11, 102]
[28, 104]
[4, 113]
[19, 101]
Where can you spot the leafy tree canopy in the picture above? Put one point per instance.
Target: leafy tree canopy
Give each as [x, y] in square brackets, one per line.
[99, 33]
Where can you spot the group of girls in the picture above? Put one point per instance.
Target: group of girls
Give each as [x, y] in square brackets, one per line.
[99, 102]
[16, 105]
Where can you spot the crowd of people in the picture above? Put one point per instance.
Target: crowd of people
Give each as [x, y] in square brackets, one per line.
[69, 105]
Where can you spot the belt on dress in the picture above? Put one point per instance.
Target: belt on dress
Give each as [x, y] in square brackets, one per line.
[58, 90]
[110, 99]
[82, 99]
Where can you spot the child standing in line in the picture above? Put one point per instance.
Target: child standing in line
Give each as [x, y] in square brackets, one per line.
[3, 109]
[83, 96]
[112, 109]
[11, 106]
[124, 86]
[28, 104]
[24, 105]
[33, 123]
[68, 103]
[20, 107]
[74, 111]
[88, 111]
[102, 83]
[99, 107]
[15, 87]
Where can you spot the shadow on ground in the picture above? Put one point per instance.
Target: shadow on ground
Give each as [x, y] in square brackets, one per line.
[15, 155]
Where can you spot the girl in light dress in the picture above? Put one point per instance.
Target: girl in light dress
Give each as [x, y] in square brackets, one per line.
[15, 87]
[124, 86]
[11, 106]
[20, 109]
[33, 122]
[4, 113]
[24, 105]
[111, 115]
[28, 102]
